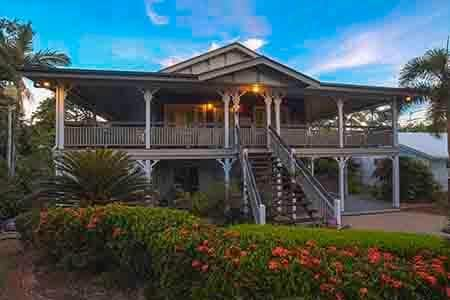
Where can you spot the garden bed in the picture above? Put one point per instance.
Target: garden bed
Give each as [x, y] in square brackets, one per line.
[176, 256]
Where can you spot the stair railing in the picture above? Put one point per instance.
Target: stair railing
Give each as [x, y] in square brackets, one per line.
[250, 191]
[329, 208]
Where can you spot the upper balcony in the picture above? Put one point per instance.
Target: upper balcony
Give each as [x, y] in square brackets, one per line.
[211, 135]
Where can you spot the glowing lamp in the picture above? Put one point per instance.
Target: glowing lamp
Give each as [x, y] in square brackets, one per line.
[256, 88]
[209, 106]
[408, 98]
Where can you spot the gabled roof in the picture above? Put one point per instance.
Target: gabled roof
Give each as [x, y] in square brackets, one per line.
[186, 63]
[258, 61]
[424, 144]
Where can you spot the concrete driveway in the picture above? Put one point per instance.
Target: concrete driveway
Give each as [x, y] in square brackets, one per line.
[402, 221]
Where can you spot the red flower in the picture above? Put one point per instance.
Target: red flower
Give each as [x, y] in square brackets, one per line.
[93, 222]
[448, 291]
[373, 255]
[339, 296]
[196, 264]
[280, 252]
[363, 292]
[202, 248]
[204, 268]
[285, 263]
[388, 256]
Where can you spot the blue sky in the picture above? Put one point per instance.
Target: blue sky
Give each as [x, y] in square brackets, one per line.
[363, 42]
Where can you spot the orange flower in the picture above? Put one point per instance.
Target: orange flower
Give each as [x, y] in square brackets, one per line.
[311, 243]
[363, 292]
[280, 252]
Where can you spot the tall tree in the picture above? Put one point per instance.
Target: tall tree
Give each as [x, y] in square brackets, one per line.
[431, 73]
[17, 53]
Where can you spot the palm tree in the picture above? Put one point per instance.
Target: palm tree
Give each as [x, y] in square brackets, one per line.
[431, 73]
[95, 177]
[16, 53]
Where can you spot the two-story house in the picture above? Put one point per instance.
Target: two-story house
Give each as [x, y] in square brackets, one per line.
[228, 114]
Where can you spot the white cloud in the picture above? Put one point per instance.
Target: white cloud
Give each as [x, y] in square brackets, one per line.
[254, 43]
[391, 42]
[180, 54]
[171, 60]
[223, 18]
[154, 17]
[213, 46]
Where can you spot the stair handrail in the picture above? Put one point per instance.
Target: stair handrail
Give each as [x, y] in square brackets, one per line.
[329, 206]
[249, 187]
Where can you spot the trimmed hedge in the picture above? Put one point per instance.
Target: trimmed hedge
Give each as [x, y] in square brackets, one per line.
[179, 257]
[403, 244]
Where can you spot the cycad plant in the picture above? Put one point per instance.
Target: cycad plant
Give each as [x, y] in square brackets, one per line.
[96, 177]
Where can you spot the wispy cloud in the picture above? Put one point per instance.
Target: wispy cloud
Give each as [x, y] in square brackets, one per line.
[221, 18]
[390, 42]
[154, 17]
[179, 56]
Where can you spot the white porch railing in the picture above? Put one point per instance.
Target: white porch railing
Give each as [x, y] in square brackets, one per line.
[213, 136]
[104, 136]
[302, 136]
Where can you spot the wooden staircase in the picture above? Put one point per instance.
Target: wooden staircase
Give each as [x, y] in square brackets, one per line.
[284, 198]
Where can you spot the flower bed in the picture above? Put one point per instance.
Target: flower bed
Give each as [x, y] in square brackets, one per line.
[180, 257]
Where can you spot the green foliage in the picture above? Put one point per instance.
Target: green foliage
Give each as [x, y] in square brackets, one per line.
[403, 244]
[431, 73]
[181, 258]
[417, 181]
[96, 177]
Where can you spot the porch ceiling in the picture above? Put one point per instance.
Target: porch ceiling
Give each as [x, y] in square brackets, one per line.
[118, 95]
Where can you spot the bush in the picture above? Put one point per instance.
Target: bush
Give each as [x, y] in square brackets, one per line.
[417, 181]
[181, 258]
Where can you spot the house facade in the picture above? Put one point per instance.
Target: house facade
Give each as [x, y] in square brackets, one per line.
[230, 115]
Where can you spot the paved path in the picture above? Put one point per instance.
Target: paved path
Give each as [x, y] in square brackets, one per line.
[399, 222]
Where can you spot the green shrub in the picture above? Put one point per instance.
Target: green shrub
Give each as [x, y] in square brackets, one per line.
[181, 258]
[404, 244]
[417, 181]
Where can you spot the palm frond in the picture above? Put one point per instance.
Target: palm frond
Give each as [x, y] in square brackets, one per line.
[97, 176]
[46, 58]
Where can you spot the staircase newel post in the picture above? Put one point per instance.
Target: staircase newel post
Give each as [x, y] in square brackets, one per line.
[262, 214]
[293, 183]
[337, 213]
[244, 185]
